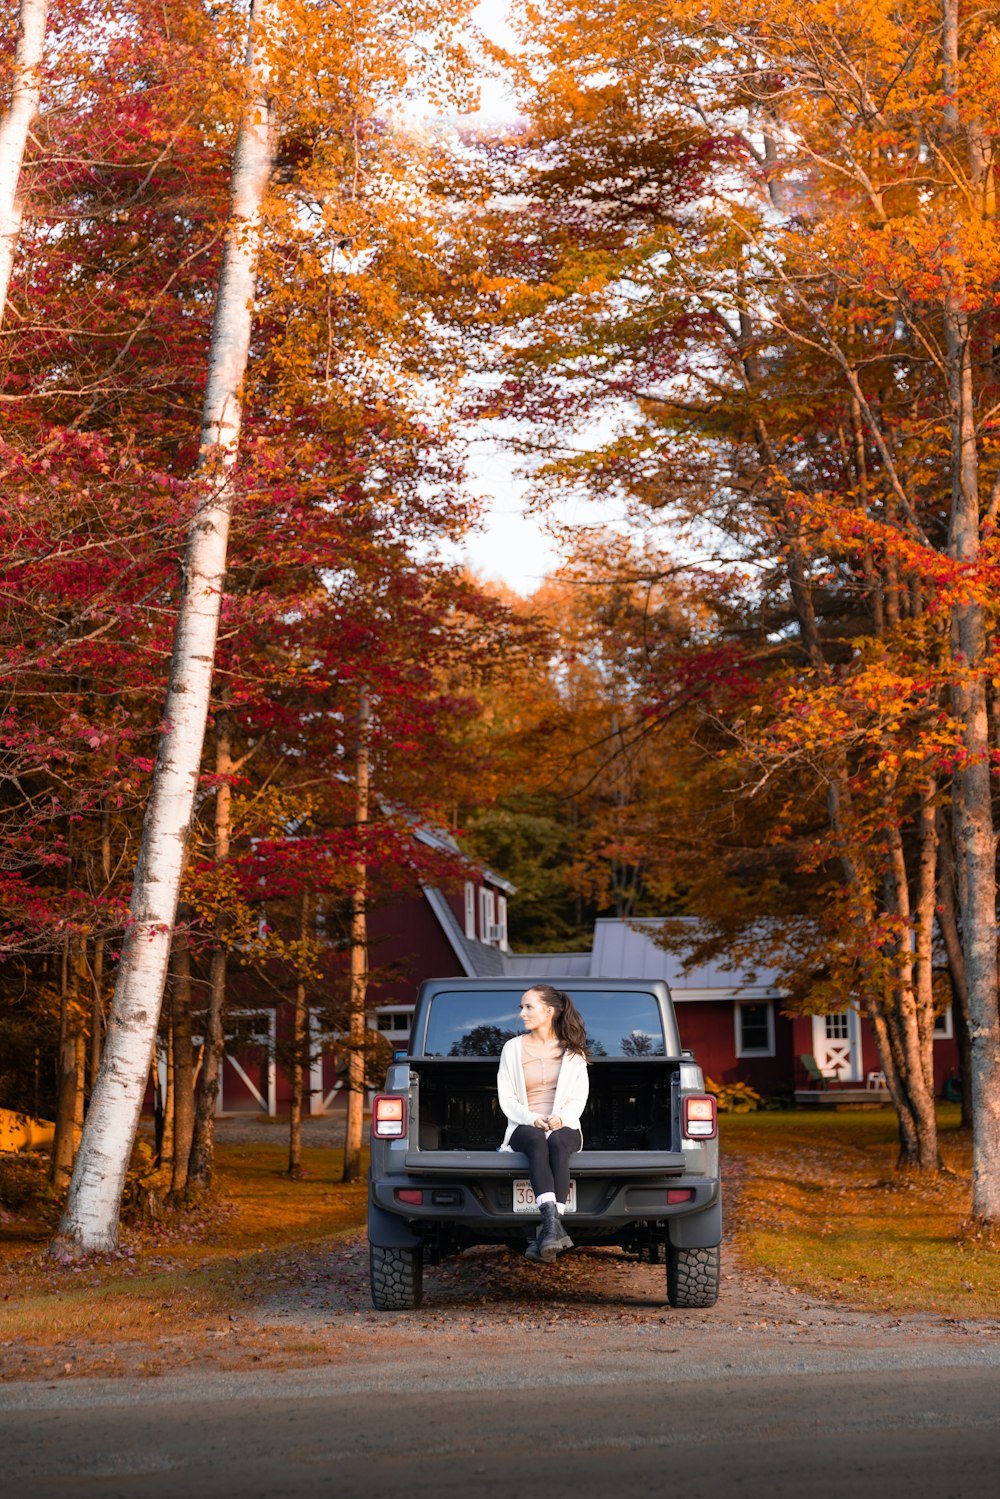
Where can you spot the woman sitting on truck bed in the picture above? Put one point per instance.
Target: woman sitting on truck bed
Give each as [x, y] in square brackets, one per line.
[543, 1088]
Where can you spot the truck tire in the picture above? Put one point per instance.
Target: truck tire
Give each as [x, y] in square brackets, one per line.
[692, 1276]
[397, 1278]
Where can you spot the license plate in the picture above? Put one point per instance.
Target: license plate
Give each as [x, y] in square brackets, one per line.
[524, 1197]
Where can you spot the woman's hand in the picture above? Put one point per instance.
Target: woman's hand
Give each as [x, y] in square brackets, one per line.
[539, 1122]
[553, 1122]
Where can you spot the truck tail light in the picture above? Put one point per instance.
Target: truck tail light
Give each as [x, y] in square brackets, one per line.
[388, 1117]
[700, 1119]
[679, 1194]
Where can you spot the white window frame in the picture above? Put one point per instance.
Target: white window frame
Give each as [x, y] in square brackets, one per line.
[946, 1021]
[502, 922]
[470, 910]
[753, 1051]
[486, 913]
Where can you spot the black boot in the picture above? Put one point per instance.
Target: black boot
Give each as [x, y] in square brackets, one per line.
[552, 1238]
[532, 1251]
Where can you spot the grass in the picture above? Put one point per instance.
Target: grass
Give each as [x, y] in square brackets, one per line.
[177, 1285]
[823, 1208]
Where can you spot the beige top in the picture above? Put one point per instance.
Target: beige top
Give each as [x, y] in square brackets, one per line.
[571, 1090]
[541, 1066]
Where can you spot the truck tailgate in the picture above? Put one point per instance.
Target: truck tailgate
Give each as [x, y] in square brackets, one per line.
[507, 1162]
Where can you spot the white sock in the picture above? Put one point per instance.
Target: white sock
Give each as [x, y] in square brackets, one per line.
[545, 1197]
[560, 1208]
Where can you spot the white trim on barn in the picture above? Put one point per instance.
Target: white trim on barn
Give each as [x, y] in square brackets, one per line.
[268, 1103]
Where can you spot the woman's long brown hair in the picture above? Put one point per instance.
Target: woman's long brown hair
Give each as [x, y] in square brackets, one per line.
[567, 1022]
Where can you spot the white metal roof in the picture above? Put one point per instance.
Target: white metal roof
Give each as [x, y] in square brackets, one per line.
[545, 965]
[627, 950]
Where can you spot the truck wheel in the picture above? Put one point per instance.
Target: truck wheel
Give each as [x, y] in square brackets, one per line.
[397, 1278]
[692, 1276]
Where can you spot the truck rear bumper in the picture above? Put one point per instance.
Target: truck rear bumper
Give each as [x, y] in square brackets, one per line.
[484, 1208]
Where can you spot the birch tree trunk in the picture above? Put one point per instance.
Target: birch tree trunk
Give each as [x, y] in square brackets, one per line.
[25, 97]
[359, 962]
[975, 840]
[90, 1221]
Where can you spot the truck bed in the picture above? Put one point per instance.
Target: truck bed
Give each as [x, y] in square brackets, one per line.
[630, 1107]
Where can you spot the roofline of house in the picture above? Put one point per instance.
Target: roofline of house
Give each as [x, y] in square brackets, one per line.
[448, 924]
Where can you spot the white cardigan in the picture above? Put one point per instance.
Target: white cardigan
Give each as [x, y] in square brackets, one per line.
[572, 1090]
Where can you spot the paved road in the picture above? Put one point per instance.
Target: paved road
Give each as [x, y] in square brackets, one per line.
[897, 1432]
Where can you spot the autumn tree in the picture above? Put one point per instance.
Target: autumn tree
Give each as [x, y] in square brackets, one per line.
[342, 448]
[740, 254]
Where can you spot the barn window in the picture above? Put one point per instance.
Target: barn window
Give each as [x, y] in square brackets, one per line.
[502, 921]
[754, 1028]
[838, 1026]
[470, 910]
[485, 914]
[944, 1028]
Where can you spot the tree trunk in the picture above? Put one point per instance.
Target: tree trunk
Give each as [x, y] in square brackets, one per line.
[27, 90]
[879, 1011]
[165, 1146]
[202, 1162]
[70, 1065]
[904, 1065]
[97, 1011]
[923, 926]
[947, 912]
[91, 1217]
[203, 1144]
[183, 1052]
[97, 1017]
[298, 1053]
[975, 843]
[359, 960]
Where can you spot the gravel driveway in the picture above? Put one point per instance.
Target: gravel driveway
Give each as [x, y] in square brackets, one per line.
[596, 1313]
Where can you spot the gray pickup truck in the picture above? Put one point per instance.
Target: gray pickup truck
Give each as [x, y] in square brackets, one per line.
[647, 1178]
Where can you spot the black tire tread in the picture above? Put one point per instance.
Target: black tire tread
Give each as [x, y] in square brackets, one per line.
[397, 1278]
[692, 1277]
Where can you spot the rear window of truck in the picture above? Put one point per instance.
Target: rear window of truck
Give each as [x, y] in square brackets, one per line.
[467, 1023]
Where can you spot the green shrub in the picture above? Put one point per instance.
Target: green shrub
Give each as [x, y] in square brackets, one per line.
[734, 1098]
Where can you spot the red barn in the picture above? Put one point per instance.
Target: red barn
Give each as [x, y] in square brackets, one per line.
[737, 1029]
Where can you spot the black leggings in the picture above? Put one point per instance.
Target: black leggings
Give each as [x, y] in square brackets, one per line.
[548, 1157]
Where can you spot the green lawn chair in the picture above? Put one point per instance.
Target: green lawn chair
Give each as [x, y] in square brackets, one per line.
[815, 1073]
